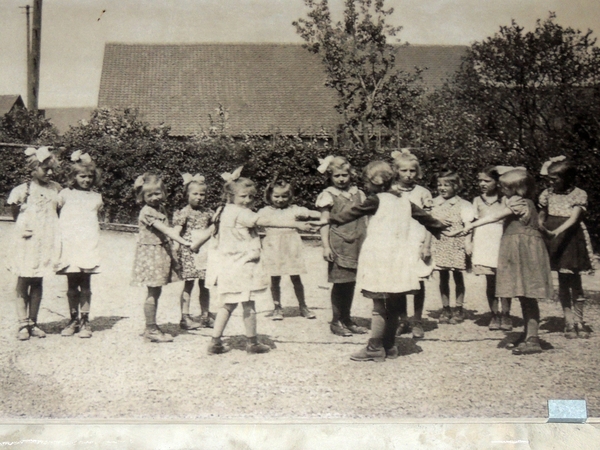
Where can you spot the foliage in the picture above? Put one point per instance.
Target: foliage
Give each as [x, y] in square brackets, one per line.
[359, 63]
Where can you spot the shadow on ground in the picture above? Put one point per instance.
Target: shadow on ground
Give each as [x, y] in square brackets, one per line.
[483, 320]
[239, 342]
[97, 323]
[511, 340]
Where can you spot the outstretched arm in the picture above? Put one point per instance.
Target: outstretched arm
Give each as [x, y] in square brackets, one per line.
[200, 237]
[171, 233]
[496, 217]
[287, 223]
[572, 220]
[366, 208]
[434, 226]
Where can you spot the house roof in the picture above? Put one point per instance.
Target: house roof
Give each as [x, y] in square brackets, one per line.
[265, 88]
[7, 102]
[63, 118]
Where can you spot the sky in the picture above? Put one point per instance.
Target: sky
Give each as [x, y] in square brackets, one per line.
[74, 31]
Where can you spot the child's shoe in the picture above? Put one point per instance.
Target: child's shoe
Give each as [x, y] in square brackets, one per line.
[187, 323]
[370, 353]
[36, 331]
[403, 328]
[530, 346]
[156, 335]
[71, 328]
[254, 349]
[23, 333]
[355, 329]
[85, 331]
[277, 314]
[446, 315]
[582, 330]
[217, 348]
[207, 321]
[495, 322]
[417, 330]
[506, 322]
[340, 329]
[570, 332]
[305, 312]
[458, 316]
[392, 353]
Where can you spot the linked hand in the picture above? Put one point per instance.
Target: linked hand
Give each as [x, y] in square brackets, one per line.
[327, 254]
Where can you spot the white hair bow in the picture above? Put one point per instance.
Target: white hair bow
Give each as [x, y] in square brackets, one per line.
[233, 175]
[188, 178]
[547, 164]
[503, 169]
[78, 155]
[402, 151]
[42, 153]
[139, 181]
[324, 163]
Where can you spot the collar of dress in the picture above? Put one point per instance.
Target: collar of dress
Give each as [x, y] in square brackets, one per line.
[452, 201]
[352, 190]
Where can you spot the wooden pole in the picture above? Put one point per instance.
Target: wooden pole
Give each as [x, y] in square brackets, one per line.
[36, 48]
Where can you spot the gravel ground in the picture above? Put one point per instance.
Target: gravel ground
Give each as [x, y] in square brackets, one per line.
[456, 371]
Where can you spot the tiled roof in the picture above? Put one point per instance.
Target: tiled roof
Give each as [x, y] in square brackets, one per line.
[266, 88]
[63, 118]
[8, 101]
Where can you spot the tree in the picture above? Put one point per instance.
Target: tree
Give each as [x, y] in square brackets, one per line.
[359, 63]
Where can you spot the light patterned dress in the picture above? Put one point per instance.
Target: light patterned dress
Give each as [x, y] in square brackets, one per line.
[192, 265]
[36, 244]
[486, 239]
[449, 252]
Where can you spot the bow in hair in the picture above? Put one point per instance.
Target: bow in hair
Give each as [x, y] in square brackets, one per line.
[188, 178]
[139, 182]
[42, 153]
[547, 164]
[78, 155]
[503, 169]
[233, 175]
[324, 163]
[402, 151]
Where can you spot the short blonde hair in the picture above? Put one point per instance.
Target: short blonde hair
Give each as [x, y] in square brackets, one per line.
[233, 187]
[150, 181]
[520, 181]
[379, 173]
[407, 158]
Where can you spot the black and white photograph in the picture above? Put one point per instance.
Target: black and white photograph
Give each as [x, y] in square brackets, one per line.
[299, 211]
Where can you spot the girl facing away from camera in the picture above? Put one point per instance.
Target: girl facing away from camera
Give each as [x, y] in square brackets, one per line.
[282, 248]
[235, 268]
[80, 232]
[563, 206]
[385, 274]
[154, 263]
[36, 244]
[523, 262]
[341, 242]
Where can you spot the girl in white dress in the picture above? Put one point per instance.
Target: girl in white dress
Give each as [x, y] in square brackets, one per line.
[36, 242]
[282, 247]
[80, 231]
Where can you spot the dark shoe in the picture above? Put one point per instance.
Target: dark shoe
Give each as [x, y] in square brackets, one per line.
[582, 330]
[570, 333]
[367, 354]
[217, 348]
[458, 316]
[494, 323]
[23, 333]
[36, 331]
[156, 335]
[207, 321]
[305, 312]
[188, 324]
[340, 329]
[403, 328]
[520, 340]
[506, 323]
[277, 314]
[86, 330]
[392, 353]
[255, 349]
[71, 328]
[417, 330]
[529, 347]
[355, 329]
[445, 316]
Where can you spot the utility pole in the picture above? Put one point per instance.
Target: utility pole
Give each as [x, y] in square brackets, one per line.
[34, 60]
[28, 50]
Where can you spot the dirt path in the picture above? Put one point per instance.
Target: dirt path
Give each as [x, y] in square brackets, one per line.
[456, 371]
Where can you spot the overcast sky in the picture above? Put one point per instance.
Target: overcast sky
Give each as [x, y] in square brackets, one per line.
[74, 31]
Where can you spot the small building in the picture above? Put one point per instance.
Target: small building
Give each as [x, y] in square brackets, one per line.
[9, 103]
[263, 89]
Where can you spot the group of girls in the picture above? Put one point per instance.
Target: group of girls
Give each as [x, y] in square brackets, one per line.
[408, 235]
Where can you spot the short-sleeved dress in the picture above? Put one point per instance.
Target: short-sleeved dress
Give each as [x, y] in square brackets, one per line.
[486, 239]
[153, 264]
[282, 248]
[570, 251]
[421, 197]
[345, 240]
[235, 267]
[38, 255]
[192, 265]
[80, 231]
[449, 252]
[523, 262]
